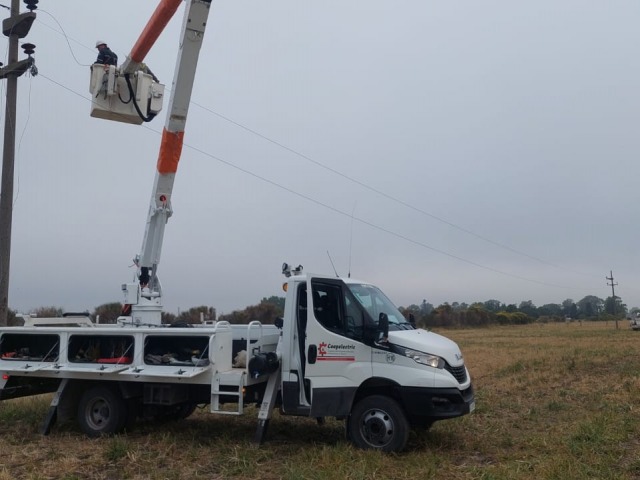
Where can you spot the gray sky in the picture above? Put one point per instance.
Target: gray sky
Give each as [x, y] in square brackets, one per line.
[486, 150]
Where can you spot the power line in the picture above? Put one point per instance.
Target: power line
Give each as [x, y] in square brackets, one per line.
[349, 178]
[66, 37]
[384, 194]
[373, 225]
[340, 212]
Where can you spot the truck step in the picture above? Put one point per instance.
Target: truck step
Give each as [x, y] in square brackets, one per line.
[230, 380]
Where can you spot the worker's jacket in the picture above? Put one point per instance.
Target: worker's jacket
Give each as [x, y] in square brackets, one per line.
[107, 57]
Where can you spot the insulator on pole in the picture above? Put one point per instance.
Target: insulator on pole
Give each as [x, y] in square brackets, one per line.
[29, 48]
[31, 4]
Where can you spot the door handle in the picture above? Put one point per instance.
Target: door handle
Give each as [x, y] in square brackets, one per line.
[312, 354]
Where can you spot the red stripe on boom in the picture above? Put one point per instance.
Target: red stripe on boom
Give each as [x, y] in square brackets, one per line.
[170, 150]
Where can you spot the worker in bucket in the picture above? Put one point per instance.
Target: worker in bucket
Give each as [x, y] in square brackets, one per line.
[105, 55]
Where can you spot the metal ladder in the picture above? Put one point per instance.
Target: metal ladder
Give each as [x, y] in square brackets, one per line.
[234, 379]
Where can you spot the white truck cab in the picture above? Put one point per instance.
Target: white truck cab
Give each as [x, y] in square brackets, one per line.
[348, 352]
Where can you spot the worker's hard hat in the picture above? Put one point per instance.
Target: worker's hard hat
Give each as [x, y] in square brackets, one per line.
[100, 42]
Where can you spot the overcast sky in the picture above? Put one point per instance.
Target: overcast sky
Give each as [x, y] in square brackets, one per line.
[447, 151]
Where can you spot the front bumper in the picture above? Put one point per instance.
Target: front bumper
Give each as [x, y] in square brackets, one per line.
[437, 403]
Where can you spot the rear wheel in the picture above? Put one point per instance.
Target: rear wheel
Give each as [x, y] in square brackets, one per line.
[378, 422]
[102, 411]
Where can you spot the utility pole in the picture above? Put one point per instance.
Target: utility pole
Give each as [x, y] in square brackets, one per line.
[15, 27]
[613, 294]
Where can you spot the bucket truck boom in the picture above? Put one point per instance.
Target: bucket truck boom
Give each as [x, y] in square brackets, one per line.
[143, 299]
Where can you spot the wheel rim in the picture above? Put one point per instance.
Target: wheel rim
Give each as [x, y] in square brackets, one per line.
[98, 413]
[377, 428]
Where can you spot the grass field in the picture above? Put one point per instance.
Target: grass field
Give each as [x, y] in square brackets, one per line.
[555, 401]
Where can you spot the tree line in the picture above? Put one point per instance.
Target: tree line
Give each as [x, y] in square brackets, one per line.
[494, 312]
[426, 315]
[265, 312]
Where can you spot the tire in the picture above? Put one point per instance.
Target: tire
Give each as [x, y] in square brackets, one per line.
[102, 411]
[378, 423]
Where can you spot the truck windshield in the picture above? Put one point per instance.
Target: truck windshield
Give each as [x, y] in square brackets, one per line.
[376, 302]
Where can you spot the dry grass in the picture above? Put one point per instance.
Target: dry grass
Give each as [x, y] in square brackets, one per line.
[554, 402]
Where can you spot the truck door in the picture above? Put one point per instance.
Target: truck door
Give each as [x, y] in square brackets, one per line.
[336, 359]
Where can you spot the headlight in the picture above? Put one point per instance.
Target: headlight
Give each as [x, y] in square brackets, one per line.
[424, 358]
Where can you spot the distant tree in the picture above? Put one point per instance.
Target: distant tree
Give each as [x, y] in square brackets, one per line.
[492, 305]
[264, 312]
[623, 306]
[459, 306]
[573, 311]
[589, 310]
[413, 308]
[550, 310]
[614, 306]
[194, 314]
[528, 308]
[277, 301]
[168, 318]
[108, 312]
[609, 306]
[511, 308]
[566, 306]
[590, 306]
[521, 318]
[47, 312]
[477, 316]
[442, 316]
[513, 318]
[425, 307]
[503, 317]
[13, 320]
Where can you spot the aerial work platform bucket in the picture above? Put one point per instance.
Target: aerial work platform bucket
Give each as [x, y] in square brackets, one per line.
[113, 98]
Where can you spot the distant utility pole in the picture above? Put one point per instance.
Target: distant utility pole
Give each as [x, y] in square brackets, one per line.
[613, 294]
[15, 27]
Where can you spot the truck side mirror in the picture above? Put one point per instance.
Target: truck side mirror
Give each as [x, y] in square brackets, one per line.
[383, 327]
[279, 322]
[412, 320]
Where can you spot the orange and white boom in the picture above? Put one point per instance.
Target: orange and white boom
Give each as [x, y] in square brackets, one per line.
[156, 24]
[145, 297]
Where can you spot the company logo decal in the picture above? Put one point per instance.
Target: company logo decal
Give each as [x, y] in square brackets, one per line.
[391, 358]
[458, 356]
[331, 352]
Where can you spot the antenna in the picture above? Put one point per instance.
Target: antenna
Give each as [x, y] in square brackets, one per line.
[351, 238]
[334, 267]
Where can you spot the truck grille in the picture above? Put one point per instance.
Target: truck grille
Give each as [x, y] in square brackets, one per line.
[459, 373]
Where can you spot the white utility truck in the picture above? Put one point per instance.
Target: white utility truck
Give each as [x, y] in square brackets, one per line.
[342, 349]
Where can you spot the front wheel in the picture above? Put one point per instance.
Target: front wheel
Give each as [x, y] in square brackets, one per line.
[102, 411]
[378, 422]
